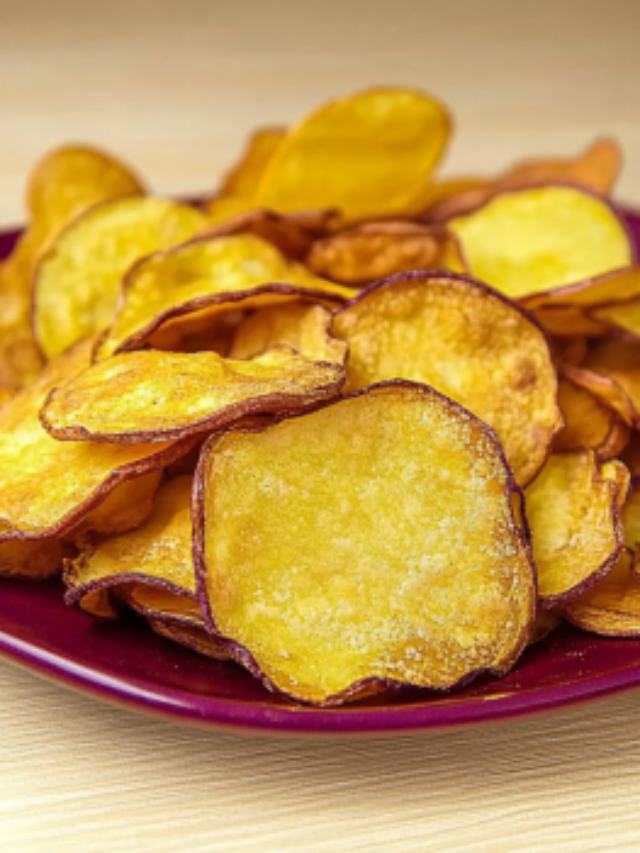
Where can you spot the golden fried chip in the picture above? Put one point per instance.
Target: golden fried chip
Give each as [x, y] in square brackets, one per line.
[46, 486]
[243, 180]
[369, 154]
[35, 560]
[71, 180]
[619, 316]
[530, 241]
[378, 249]
[162, 396]
[125, 508]
[65, 184]
[631, 519]
[468, 342]
[368, 543]
[619, 362]
[575, 525]
[612, 607]
[77, 281]
[603, 388]
[196, 282]
[595, 169]
[589, 424]
[302, 326]
[194, 638]
[157, 555]
[292, 234]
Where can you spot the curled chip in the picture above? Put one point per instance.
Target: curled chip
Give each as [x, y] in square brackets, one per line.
[302, 326]
[242, 181]
[196, 282]
[126, 507]
[369, 543]
[193, 637]
[77, 281]
[612, 607]
[84, 474]
[572, 509]
[533, 240]
[620, 316]
[370, 155]
[35, 560]
[468, 342]
[618, 361]
[293, 234]
[65, 184]
[603, 388]
[589, 424]
[155, 557]
[378, 249]
[163, 396]
[591, 307]
[595, 169]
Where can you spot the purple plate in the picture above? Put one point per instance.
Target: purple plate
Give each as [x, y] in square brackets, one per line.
[125, 662]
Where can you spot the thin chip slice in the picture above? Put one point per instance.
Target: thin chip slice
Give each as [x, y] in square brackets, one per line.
[47, 487]
[156, 555]
[33, 560]
[302, 326]
[631, 518]
[378, 249]
[293, 234]
[163, 396]
[198, 281]
[125, 508]
[612, 607]
[619, 362]
[469, 343]
[243, 180]
[545, 623]
[71, 180]
[575, 525]
[370, 543]
[534, 240]
[77, 281]
[369, 154]
[194, 638]
[589, 424]
[620, 316]
[596, 168]
[603, 388]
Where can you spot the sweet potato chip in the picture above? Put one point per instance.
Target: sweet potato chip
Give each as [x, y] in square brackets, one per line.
[369, 154]
[530, 241]
[378, 249]
[77, 281]
[125, 508]
[589, 424]
[545, 623]
[192, 637]
[369, 543]
[612, 607]
[619, 362]
[595, 169]
[631, 519]
[71, 180]
[32, 560]
[293, 234]
[603, 388]
[163, 396]
[302, 326]
[468, 342]
[243, 180]
[575, 525]
[156, 555]
[619, 316]
[196, 282]
[81, 474]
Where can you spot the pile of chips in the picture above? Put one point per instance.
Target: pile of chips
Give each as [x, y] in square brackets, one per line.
[344, 423]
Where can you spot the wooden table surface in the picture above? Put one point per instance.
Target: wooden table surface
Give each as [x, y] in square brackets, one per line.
[173, 86]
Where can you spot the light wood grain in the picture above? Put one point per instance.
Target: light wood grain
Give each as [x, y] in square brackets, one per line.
[174, 87]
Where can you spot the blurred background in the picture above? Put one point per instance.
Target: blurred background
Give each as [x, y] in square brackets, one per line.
[174, 86]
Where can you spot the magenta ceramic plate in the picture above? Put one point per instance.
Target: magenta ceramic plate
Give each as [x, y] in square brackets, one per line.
[125, 662]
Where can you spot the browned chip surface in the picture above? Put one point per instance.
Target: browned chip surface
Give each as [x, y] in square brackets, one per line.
[369, 542]
[466, 341]
[157, 396]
